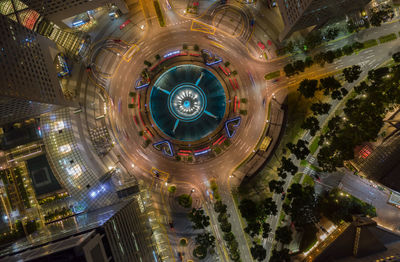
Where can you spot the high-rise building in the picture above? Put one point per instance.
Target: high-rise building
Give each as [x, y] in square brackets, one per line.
[301, 14]
[58, 11]
[29, 83]
[117, 233]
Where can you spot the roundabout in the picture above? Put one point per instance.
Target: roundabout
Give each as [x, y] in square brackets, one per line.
[187, 103]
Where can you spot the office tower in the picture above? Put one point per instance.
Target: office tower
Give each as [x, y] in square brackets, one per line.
[29, 84]
[300, 14]
[58, 11]
[117, 233]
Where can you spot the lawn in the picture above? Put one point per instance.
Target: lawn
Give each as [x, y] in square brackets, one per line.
[159, 13]
[308, 181]
[314, 145]
[296, 178]
[387, 38]
[272, 75]
[370, 43]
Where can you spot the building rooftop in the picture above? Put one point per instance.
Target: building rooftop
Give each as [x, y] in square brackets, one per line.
[65, 228]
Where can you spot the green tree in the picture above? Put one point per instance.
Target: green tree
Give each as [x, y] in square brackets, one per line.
[196, 47]
[347, 49]
[258, 252]
[253, 228]
[312, 124]
[206, 240]
[313, 39]
[266, 229]
[308, 62]
[220, 207]
[157, 57]
[283, 235]
[287, 166]
[300, 149]
[331, 33]
[280, 256]
[276, 186]
[185, 200]
[299, 65]
[268, 207]
[248, 209]
[396, 57]
[329, 84]
[351, 74]
[329, 56]
[199, 219]
[289, 70]
[320, 108]
[307, 88]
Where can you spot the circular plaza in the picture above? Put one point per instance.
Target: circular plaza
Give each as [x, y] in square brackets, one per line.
[187, 103]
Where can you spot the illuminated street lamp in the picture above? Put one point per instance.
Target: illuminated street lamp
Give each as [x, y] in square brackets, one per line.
[191, 192]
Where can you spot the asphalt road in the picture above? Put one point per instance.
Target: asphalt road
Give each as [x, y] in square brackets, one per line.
[156, 40]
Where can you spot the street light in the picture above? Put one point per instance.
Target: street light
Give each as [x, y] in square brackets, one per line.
[191, 191]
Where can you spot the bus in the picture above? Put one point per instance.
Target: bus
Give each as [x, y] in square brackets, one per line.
[265, 143]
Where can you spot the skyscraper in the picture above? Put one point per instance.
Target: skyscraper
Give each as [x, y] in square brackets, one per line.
[58, 11]
[117, 233]
[29, 83]
[300, 14]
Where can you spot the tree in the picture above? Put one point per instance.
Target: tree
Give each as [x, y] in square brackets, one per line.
[226, 226]
[299, 65]
[196, 47]
[308, 62]
[351, 26]
[329, 56]
[339, 206]
[311, 123]
[357, 45]
[258, 252]
[157, 57]
[312, 40]
[185, 200]
[266, 228]
[331, 33]
[320, 58]
[253, 228]
[276, 186]
[280, 256]
[200, 252]
[320, 108]
[351, 74]
[268, 207]
[339, 94]
[307, 88]
[396, 57]
[219, 207]
[206, 240]
[382, 15]
[199, 219]
[288, 166]
[289, 70]
[229, 236]
[300, 149]
[248, 209]
[289, 47]
[283, 234]
[347, 49]
[329, 84]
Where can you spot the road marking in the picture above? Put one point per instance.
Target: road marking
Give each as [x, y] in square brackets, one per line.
[133, 50]
[202, 27]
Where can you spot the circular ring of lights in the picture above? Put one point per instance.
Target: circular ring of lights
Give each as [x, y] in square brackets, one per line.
[187, 102]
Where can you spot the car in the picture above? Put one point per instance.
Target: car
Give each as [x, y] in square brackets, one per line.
[283, 196]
